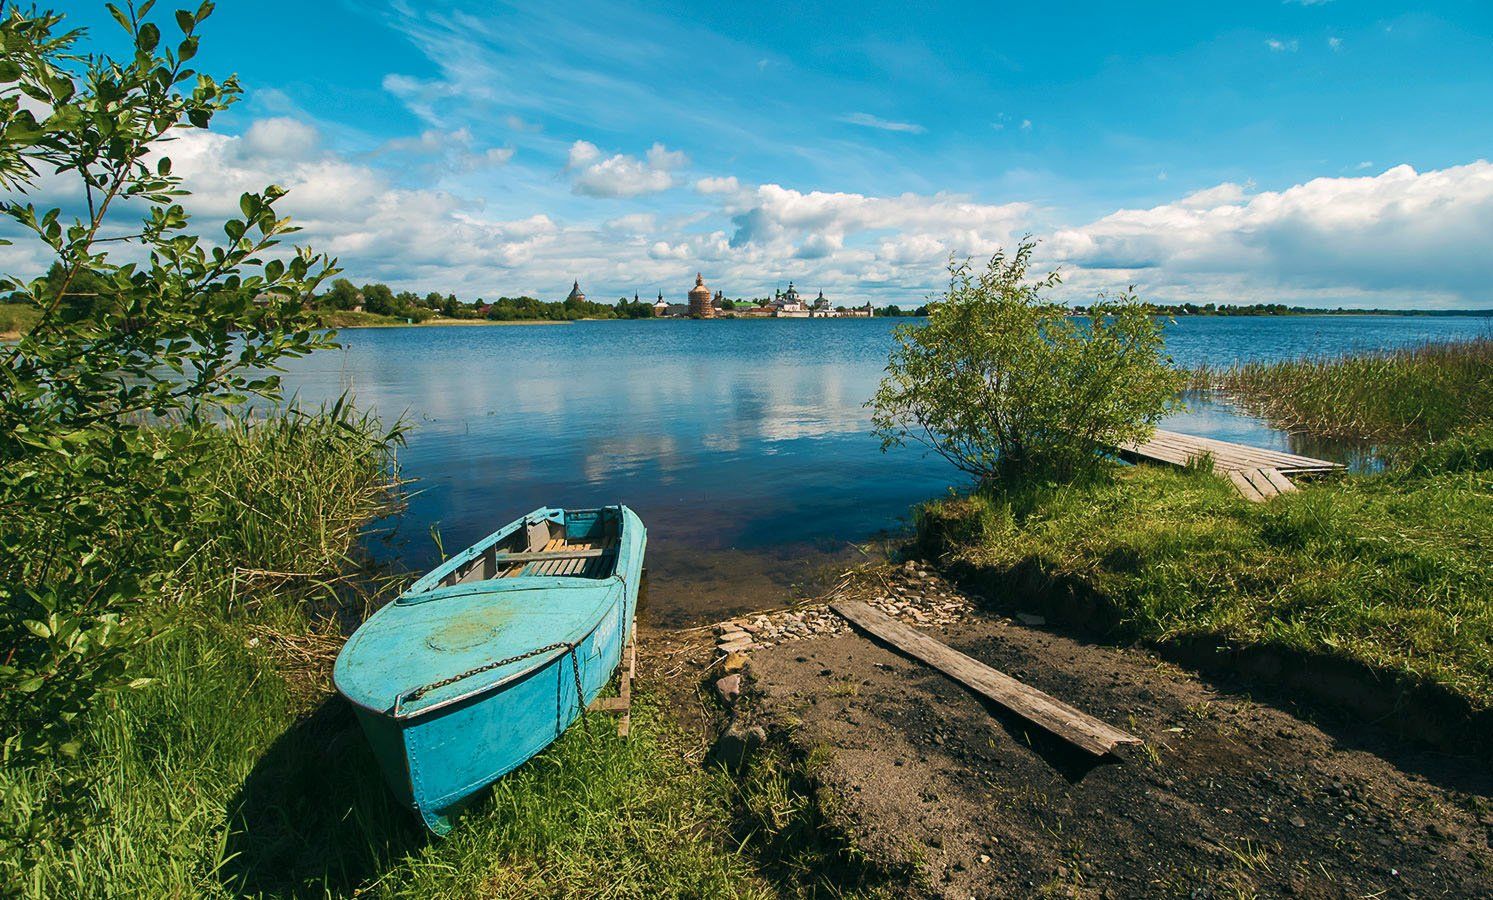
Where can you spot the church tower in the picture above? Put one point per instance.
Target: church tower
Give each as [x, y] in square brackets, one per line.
[700, 306]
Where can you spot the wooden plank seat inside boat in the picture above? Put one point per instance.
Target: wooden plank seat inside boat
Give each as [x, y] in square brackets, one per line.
[582, 549]
[585, 558]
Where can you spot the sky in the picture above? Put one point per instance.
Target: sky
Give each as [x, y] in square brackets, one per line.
[1312, 152]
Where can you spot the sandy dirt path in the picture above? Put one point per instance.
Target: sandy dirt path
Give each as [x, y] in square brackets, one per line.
[1232, 795]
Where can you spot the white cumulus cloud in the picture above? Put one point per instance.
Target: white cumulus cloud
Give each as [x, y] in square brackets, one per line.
[621, 175]
[1401, 232]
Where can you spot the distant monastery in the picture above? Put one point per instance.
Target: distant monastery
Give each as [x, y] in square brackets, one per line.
[789, 304]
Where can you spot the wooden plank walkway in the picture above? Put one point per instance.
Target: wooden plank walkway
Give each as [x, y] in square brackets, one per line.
[1257, 473]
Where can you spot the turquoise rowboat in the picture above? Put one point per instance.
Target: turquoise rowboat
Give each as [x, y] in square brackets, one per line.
[488, 659]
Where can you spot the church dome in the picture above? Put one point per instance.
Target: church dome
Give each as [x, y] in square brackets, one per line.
[699, 290]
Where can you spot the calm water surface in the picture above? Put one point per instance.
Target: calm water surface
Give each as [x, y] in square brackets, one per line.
[744, 445]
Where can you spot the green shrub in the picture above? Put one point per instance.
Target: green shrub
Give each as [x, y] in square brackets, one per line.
[1002, 381]
[98, 496]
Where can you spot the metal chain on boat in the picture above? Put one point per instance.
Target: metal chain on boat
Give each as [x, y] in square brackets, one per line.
[567, 646]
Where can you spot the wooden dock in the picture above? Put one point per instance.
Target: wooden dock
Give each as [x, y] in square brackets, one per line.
[1257, 473]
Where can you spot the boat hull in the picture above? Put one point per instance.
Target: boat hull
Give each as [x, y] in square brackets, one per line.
[437, 756]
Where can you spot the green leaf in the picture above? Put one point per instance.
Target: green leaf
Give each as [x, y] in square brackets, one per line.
[120, 17]
[148, 37]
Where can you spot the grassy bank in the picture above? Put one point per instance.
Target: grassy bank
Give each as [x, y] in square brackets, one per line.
[1421, 393]
[238, 772]
[1391, 572]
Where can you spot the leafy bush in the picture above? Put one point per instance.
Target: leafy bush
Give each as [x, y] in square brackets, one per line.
[1002, 381]
[97, 490]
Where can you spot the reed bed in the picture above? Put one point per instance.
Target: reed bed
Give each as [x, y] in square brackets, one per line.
[1397, 397]
[283, 503]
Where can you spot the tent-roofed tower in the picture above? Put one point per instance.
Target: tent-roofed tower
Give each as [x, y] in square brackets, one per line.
[576, 294]
[700, 306]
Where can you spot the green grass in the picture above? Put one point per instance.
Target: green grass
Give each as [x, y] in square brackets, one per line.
[239, 772]
[17, 318]
[1423, 393]
[221, 781]
[1393, 570]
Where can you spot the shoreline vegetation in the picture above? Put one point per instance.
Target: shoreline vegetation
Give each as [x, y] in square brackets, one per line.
[1389, 573]
[176, 579]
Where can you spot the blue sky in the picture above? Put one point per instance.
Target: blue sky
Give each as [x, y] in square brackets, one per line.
[1312, 152]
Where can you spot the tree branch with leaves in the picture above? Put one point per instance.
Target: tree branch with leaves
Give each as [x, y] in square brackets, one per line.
[143, 326]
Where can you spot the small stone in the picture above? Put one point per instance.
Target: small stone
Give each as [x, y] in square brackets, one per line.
[729, 688]
[736, 744]
[1029, 619]
[1297, 821]
[734, 662]
[736, 646]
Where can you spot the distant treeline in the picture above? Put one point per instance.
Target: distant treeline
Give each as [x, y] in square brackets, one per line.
[383, 300]
[1280, 309]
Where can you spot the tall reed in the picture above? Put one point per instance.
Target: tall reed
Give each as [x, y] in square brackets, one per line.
[1422, 393]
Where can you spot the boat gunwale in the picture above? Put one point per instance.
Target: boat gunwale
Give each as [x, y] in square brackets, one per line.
[427, 583]
[428, 587]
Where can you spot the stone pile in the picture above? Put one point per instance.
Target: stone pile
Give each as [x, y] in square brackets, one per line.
[912, 593]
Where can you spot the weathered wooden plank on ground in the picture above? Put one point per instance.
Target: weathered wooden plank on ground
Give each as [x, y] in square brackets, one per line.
[1262, 484]
[1077, 727]
[1244, 486]
[1280, 481]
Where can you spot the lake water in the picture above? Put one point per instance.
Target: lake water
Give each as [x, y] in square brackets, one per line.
[744, 445]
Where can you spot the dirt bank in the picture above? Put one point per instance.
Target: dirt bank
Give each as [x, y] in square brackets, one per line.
[1233, 794]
